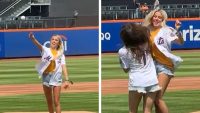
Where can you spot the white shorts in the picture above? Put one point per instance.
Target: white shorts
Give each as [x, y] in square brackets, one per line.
[153, 88]
[52, 80]
[160, 68]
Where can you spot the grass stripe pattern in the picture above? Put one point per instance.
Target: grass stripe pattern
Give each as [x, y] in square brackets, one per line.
[190, 67]
[22, 71]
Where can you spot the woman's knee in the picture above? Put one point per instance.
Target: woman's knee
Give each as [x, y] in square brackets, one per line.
[56, 102]
[158, 101]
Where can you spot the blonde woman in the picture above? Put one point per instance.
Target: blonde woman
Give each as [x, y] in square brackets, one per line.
[51, 68]
[161, 37]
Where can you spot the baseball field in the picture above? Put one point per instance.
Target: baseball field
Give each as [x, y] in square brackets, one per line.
[182, 95]
[21, 89]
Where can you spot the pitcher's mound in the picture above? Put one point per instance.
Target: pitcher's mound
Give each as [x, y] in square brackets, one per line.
[62, 112]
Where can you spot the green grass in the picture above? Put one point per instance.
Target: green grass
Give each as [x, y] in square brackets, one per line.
[190, 67]
[178, 102]
[20, 71]
[36, 102]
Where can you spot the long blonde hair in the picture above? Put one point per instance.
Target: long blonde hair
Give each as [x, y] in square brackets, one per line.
[148, 18]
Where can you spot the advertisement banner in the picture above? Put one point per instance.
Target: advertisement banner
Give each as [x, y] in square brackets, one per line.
[2, 52]
[79, 42]
[111, 41]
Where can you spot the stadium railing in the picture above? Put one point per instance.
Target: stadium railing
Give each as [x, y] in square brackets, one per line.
[173, 11]
[31, 22]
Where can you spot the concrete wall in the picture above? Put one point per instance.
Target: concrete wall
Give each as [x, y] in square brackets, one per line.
[87, 9]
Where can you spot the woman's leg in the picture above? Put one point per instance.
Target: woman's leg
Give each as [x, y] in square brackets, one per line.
[160, 105]
[149, 100]
[49, 99]
[134, 100]
[56, 92]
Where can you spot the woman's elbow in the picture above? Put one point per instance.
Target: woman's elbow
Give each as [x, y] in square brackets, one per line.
[180, 41]
[126, 70]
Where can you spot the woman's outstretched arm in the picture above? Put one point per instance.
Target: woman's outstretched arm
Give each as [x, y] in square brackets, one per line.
[35, 41]
[180, 39]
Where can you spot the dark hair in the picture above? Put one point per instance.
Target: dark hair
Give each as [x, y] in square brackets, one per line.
[134, 35]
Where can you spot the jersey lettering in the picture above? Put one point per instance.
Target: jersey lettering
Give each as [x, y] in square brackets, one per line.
[47, 58]
[160, 41]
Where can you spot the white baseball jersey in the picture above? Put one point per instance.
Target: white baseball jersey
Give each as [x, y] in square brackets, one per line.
[140, 74]
[46, 59]
[162, 49]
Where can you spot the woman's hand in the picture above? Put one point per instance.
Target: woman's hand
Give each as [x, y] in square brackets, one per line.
[177, 24]
[31, 35]
[34, 40]
[66, 84]
[180, 39]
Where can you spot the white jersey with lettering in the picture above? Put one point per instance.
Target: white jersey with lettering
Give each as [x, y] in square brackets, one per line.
[163, 41]
[46, 59]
